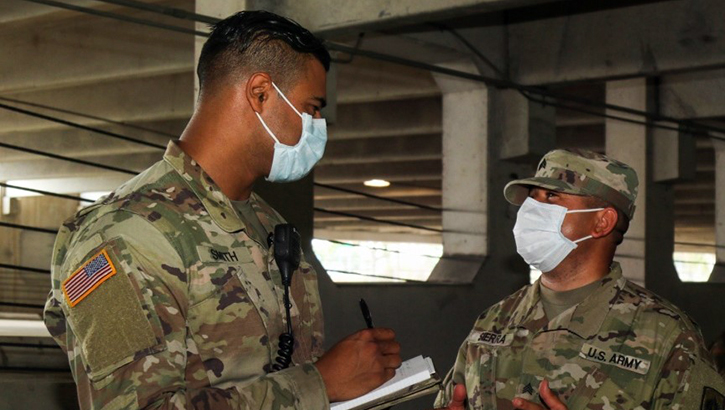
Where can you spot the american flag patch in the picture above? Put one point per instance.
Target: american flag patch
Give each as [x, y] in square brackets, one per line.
[88, 277]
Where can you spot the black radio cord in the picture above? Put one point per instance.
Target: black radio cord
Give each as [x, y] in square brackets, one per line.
[287, 339]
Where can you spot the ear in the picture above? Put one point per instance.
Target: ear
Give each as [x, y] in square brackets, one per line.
[606, 223]
[257, 91]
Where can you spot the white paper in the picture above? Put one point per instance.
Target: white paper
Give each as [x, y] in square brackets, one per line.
[412, 371]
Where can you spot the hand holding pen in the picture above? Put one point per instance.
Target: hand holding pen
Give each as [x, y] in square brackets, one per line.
[360, 362]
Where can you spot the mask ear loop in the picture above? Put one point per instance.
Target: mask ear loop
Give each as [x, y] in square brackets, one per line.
[285, 98]
[264, 124]
[578, 211]
[582, 239]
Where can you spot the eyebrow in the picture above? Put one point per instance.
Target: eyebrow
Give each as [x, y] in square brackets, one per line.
[322, 101]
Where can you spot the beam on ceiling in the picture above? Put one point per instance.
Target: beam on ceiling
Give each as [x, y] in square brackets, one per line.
[15, 12]
[330, 18]
[398, 171]
[345, 235]
[392, 215]
[388, 118]
[80, 143]
[396, 191]
[84, 49]
[684, 188]
[139, 99]
[384, 149]
[695, 221]
[701, 209]
[355, 224]
[52, 168]
[74, 185]
[569, 118]
[364, 204]
[365, 80]
[693, 95]
[617, 43]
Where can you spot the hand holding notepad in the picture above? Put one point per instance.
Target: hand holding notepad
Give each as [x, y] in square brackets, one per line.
[414, 378]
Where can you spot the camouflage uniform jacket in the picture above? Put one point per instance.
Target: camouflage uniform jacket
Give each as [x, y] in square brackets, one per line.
[622, 348]
[190, 309]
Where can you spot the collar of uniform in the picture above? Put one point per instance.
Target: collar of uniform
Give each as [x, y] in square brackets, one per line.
[584, 320]
[587, 317]
[217, 204]
[268, 217]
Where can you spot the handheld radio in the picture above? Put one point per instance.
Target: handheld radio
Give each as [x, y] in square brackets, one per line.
[287, 254]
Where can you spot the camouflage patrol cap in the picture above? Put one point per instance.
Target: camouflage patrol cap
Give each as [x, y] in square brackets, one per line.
[580, 172]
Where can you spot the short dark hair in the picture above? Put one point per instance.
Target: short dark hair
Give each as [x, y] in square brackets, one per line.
[258, 41]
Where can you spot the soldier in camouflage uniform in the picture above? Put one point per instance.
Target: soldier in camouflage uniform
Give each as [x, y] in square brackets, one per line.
[166, 294]
[582, 336]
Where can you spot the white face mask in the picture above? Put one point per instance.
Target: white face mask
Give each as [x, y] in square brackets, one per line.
[292, 163]
[538, 234]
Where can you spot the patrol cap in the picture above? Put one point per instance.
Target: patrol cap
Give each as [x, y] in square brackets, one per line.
[580, 172]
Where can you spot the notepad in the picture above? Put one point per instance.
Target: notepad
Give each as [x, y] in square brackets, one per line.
[414, 378]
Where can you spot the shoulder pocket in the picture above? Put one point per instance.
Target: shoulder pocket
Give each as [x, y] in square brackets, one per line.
[106, 310]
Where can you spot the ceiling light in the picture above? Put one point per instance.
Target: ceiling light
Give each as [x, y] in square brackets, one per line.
[377, 183]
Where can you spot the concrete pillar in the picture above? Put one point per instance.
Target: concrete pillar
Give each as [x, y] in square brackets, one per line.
[718, 272]
[465, 176]
[529, 127]
[673, 155]
[627, 142]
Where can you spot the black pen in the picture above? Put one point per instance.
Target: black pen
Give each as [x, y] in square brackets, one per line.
[366, 313]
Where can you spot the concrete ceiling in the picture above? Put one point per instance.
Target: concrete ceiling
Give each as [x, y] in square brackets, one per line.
[388, 121]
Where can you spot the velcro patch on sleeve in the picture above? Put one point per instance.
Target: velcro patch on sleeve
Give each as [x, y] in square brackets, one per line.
[88, 277]
[107, 311]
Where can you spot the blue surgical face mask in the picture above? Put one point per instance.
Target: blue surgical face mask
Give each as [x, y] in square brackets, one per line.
[291, 163]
